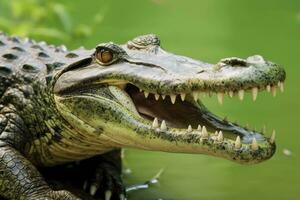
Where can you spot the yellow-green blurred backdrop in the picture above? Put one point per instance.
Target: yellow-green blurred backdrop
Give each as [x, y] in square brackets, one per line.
[207, 30]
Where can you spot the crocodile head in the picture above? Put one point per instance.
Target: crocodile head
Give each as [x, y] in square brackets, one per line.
[139, 95]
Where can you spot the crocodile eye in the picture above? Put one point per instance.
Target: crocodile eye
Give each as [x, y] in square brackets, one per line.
[108, 53]
[104, 56]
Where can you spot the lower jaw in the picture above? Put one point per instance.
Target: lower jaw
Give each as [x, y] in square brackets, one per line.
[194, 142]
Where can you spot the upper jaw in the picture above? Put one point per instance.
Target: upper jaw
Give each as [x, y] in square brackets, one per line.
[227, 76]
[179, 74]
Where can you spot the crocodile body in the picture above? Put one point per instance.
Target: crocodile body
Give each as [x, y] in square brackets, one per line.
[59, 106]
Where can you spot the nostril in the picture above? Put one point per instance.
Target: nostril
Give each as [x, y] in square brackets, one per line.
[234, 62]
[256, 59]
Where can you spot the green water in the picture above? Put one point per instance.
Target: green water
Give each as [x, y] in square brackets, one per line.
[210, 30]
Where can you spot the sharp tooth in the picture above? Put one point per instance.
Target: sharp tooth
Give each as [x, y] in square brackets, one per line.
[230, 93]
[268, 88]
[237, 143]
[156, 96]
[122, 197]
[220, 137]
[272, 138]
[85, 185]
[215, 136]
[155, 123]
[281, 86]
[146, 94]
[189, 128]
[93, 189]
[182, 95]
[220, 96]
[163, 125]
[199, 128]
[241, 94]
[273, 89]
[254, 93]
[173, 98]
[107, 194]
[254, 145]
[204, 132]
[163, 96]
[195, 95]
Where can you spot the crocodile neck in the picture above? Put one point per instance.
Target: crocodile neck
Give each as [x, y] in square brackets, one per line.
[27, 69]
[67, 146]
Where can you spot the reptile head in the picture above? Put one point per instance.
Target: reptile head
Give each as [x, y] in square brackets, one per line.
[139, 95]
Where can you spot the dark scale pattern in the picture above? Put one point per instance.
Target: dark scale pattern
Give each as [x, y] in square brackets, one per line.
[26, 59]
[26, 71]
[71, 55]
[36, 46]
[10, 56]
[21, 180]
[43, 55]
[29, 68]
[18, 49]
[5, 70]
[15, 39]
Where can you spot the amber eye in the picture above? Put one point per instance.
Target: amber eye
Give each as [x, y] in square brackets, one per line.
[104, 56]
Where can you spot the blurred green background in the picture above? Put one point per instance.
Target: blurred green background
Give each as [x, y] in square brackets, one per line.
[204, 29]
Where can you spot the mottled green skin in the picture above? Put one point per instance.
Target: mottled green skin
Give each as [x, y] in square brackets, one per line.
[46, 120]
[29, 121]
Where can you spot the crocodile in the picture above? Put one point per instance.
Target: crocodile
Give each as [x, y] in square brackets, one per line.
[61, 106]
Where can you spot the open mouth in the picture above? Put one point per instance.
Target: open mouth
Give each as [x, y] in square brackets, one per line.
[174, 122]
[151, 112]
[184, 114]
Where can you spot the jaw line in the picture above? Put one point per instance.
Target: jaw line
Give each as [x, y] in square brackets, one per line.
[155, 136]
[150, 138]
[141, 133]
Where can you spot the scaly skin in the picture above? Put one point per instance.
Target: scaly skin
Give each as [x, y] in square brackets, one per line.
[59, 106]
